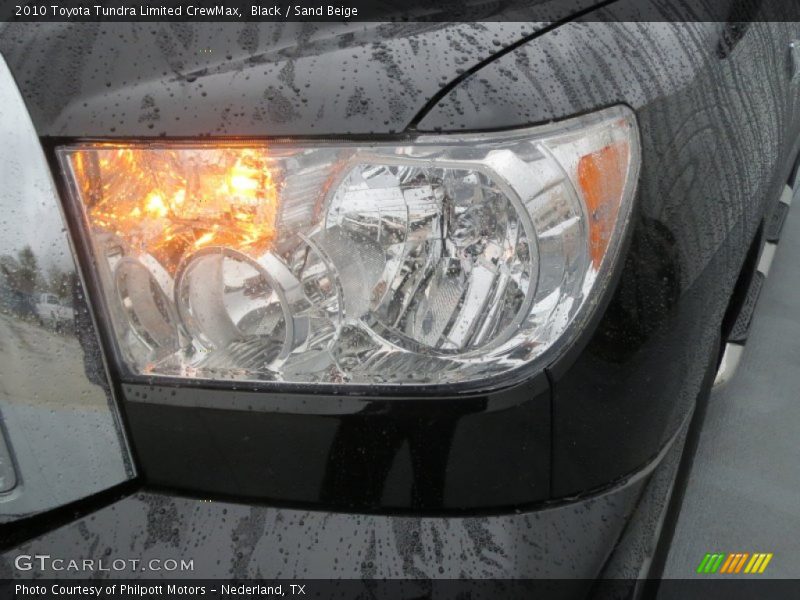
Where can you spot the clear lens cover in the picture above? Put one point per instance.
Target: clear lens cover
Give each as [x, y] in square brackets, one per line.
[447, 259]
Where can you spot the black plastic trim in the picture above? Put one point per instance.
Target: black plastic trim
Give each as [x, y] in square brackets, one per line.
[22, 530]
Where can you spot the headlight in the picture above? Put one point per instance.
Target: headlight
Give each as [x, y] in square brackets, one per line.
[445, 259]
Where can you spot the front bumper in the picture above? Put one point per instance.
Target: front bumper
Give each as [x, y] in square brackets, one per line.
[576, 540]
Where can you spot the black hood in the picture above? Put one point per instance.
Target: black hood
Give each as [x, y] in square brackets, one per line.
[241, 79]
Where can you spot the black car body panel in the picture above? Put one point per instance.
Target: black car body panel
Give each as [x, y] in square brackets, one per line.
[719, 136]
[245, 542]
[456, 454]
[220, 79]
[563, 544]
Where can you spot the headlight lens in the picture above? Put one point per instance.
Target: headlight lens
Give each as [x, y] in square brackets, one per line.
[448, 259]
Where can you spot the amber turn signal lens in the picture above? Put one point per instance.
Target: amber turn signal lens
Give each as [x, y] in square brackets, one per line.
[601, 176]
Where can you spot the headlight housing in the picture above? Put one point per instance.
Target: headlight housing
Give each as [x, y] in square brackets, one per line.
[444, 259]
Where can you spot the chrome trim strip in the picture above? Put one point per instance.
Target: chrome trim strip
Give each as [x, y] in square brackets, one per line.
[61, 425]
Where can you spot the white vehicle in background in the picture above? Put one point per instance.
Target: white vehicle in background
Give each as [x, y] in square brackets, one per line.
[52, 311]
